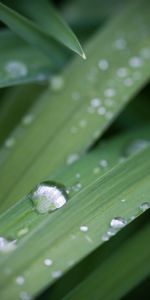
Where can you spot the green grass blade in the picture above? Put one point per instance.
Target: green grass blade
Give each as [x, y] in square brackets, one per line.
[58, 236]
[70, 111]
[24, 63]
[50, 21]
[116, 270]
[16, 103]
[28, 30]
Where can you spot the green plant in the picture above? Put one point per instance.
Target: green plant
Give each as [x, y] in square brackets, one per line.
[76, 136]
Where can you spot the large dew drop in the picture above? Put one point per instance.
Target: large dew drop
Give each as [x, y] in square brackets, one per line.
[118, 223]
[48, 196]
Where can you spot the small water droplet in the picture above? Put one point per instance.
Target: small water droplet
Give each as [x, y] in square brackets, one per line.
[83, 123]
[120, 44]
[76, 95]
[103, 163]
[123, 200]
[101, 110]
[77, 187]
[56, 274]
[84, 228]
[128, 82]
[122, 72]
[95, 102]
[72, 158]
[144, 206]
[23, 231]
[96, 170]
[112, 231]
[48, 262]
[56, 83]
[20, 280]
[103, 64]
[10, 142]
[48, 196]
[6, 245]
[135, 62]
[118, 223]
[78, 175]
[105, 237]
[136, 146]
[24, 296]
[16, 69]
[27, 120]
[109, 92]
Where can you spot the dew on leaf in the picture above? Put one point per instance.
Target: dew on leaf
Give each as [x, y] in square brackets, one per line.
[7, 245]
[16, 69]
[118, 223]
[144, 206]
[20, 280]
[48, 196]
[136, 146]
[103, 64]
[84, 228]
[48, 262]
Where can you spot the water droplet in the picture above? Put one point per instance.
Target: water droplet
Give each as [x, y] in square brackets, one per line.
[56, 274]
[123, 200]
[23, 231]
[24, 296]
[118, 223]
[10, 142]
[109, 92]
[111, 231]
[20, 280]
[136, 146]
[77, 187]
[103, 64]
[78, 175]
[84, 228]
[101, 110]
[56, 83]
[6, 245]
[48, 262]
[48, 196]
[72, 158]
[120, 44]
[135, 62]
[128, 82]
[103, 163]
[122, 72]
[144, 206]
[16, 69]
[96, 170]
[95, 102]
[105, 237]
[27, 120]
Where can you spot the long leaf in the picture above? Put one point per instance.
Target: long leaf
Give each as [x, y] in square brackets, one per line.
[28, 30]
[70, 111]
[58, 236]
[50, 22]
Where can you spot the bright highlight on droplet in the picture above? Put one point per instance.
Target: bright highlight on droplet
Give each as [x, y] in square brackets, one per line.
[118, 223]
[48, 196]
[6, 245]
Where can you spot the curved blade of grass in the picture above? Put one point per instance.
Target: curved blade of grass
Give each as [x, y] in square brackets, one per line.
[78, 175]
[16, 103]
[28, 30]
[51, 22]
[69, 116]
[24, 63]
[58, 236]
[116, 270]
